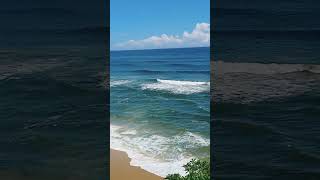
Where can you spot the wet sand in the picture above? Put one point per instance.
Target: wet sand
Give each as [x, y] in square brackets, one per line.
[120, 168]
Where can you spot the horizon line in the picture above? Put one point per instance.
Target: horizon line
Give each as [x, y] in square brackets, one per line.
[159, 48]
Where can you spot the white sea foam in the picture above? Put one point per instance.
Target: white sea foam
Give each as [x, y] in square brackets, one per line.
[178, 87]
[156, 153]
[129, 132]
[119, 82]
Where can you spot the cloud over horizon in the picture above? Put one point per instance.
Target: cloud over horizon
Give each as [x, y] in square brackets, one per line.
[199, 37]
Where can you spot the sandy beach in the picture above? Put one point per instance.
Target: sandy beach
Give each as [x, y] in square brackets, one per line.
[120, 168]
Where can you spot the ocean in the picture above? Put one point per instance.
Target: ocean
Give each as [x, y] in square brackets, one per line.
[266, 105]
[159, 107]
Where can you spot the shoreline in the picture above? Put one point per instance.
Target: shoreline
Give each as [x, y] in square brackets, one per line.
[121, 169]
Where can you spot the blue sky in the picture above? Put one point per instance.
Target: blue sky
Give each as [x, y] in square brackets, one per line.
[142, 19]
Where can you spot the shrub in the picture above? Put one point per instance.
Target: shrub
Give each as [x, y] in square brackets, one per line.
[196, 170]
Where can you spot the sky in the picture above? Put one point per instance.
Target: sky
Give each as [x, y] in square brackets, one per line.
[153, 24]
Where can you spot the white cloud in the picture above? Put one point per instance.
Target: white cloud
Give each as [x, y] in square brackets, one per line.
[199, 37]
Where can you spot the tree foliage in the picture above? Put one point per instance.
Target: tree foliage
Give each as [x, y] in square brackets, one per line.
[196, 170]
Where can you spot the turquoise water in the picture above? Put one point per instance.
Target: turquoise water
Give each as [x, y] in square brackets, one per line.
[160, 107]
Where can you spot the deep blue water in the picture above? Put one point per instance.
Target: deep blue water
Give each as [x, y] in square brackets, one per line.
[160, 106]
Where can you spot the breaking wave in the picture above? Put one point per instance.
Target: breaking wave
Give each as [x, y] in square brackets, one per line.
[158, 154]
[178, 87]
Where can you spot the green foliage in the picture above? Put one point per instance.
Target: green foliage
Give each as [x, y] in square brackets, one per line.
[196, 170]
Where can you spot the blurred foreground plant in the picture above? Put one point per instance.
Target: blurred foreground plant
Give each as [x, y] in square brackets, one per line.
[196, 170]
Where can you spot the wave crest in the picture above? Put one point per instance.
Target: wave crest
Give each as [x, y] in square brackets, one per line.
[178, 87]
[158, 154]
[119, 82]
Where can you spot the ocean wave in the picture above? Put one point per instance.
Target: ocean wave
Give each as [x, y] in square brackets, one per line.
[158, 154]
[221, 67]
[119, 82]
[177, 71]
[178, 87]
